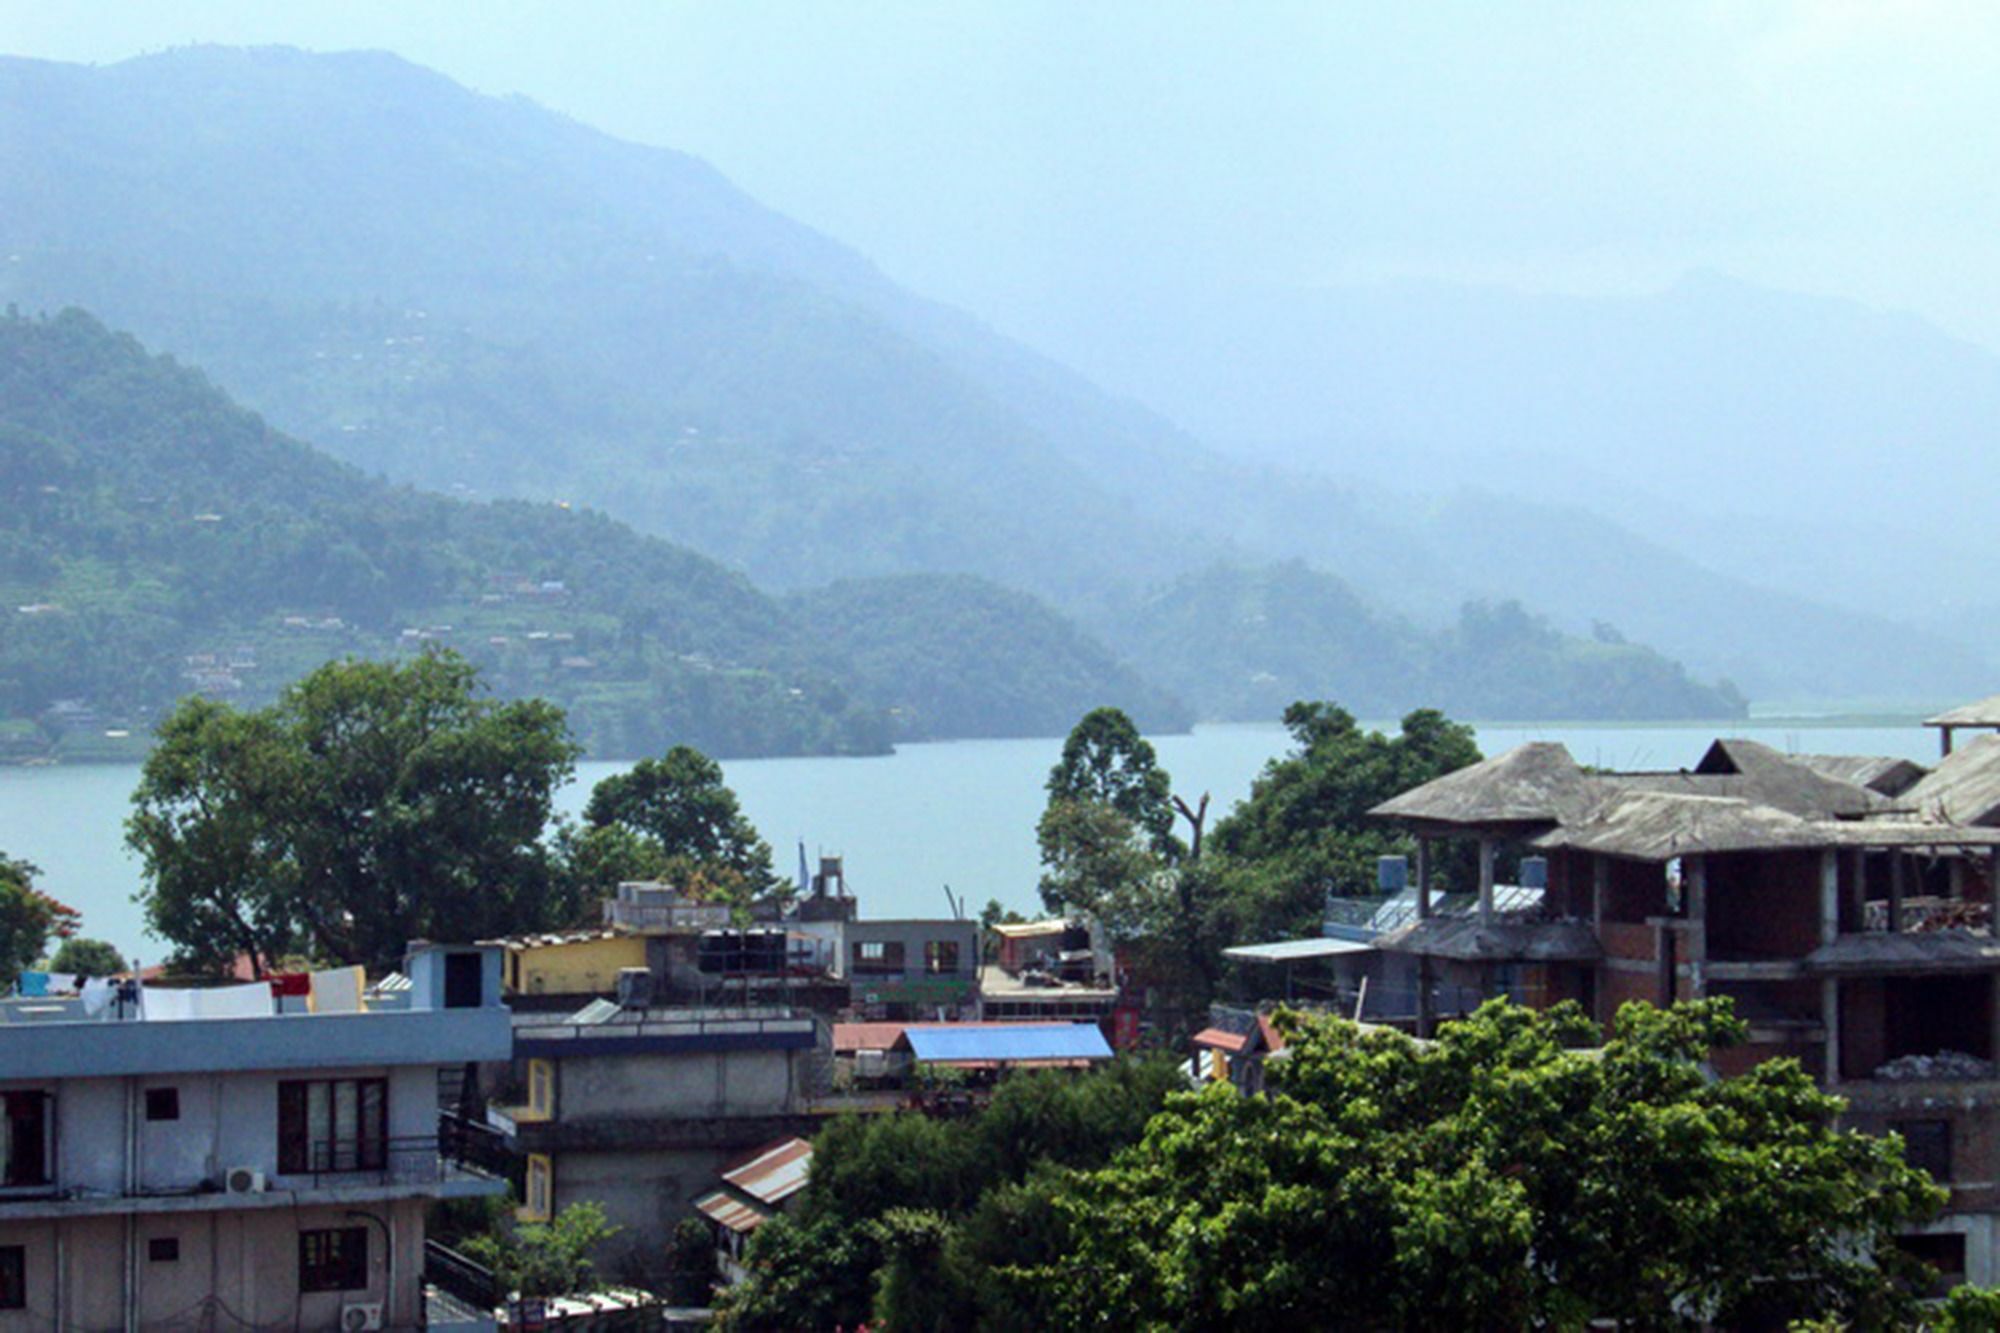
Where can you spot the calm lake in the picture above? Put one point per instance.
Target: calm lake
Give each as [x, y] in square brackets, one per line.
[960, 813]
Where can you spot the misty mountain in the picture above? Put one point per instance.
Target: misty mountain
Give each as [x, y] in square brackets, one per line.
[156, 539]
[479, 296]
[1812, 445]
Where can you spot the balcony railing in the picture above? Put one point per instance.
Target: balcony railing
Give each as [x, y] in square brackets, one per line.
[671, 916]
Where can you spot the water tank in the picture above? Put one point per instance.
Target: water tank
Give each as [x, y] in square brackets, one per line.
[1392, 873]
[635, 988]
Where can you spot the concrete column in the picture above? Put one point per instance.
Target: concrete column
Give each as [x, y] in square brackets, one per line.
[1486, 881]
[1423, 879]
[1829, 896]
[1600, 883]
[1895, 890]
[1426, 1011]
[1697, 931]
[1944, 741]
[1829, 1000]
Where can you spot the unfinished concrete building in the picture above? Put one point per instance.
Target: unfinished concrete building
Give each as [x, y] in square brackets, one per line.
[1853, 931]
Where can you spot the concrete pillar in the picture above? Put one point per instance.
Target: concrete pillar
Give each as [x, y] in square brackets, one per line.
[1426, 1010]
[1486, 881]
[1829, 896]
[1697, 932]
[1600, 883]
[1423, 879]
[1944, 742]
[1829, 1000]
[1895, 890]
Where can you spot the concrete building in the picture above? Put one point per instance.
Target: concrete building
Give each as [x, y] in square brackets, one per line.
[912, 969]
[639, 1107]
[200, 1159]
[1857, 938]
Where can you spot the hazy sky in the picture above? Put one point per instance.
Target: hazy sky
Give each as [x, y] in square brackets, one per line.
[1042, 163]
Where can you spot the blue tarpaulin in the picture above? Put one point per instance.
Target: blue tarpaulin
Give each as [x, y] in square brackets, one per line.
[1006, 1043]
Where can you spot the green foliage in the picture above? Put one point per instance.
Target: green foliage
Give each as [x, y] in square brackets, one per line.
[1106, 762]
[28, 917]
[1304, 833]
[1500, 1178]
[1967, 1309]
[954, 655]
[546, 1258]
[923, 1222]
[1239, 642]
[677, 816]
[89, 958]
[691, 1274]
[373, 804]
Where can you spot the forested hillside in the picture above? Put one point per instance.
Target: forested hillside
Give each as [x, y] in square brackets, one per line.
[155, 539]
[1244, 643]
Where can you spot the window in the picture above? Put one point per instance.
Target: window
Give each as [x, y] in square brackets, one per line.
[339, 1124]
[1927, 1145]
[536, 1190]
[464, 980]
[26, 1122]
[541, 1087]
[163, 1250]
[13, 1277]
[878, 956]
[163, 1103]
[333, 1260]
[941, 957]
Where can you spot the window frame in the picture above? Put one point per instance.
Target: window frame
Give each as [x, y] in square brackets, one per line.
[330, 1256]
[941, 958]
[367, 1148]
[877, 958]
[45, 1177]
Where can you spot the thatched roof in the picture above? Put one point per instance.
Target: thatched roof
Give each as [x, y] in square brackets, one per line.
[1885, 774]
[1964, 788]
[1501, 940]
[1900, 951]
[1982, 713]
[1658, 826]
[1536, 783]
[1777, 779]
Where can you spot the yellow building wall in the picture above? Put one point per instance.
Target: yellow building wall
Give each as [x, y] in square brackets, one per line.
[574, 968]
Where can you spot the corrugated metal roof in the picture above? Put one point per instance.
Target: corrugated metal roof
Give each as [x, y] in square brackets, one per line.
[1006, 1043]
[851, 1037]
[1014, 930]
[774, 1172]
[730, 1211]
[1980, 713]
[1288, 951]
[1218, 1039]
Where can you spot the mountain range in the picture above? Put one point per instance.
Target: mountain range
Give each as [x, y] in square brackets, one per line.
[482, 297]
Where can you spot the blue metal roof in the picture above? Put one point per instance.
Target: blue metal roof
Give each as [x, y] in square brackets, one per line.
[1002, 1043]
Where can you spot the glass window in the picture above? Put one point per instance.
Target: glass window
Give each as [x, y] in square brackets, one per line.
[163, 1250]
[878, 956]
[335, 1259]
[13, 1277]
[339, 1124]
[537, 1189]
[941, 957]
[163, 1103]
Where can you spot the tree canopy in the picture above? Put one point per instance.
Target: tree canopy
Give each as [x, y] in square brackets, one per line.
[675, 818]
[1304, 832]
[1500, 1177]
[28, 918]
[373, 804]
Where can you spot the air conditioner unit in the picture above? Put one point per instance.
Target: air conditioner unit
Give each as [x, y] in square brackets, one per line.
[243, 1180]
[358, 1317]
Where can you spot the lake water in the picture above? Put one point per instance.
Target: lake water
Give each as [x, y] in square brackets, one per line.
[958, 813]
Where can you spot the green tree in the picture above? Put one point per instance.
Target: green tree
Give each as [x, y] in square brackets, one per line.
[1499, 1178]
[89, 958]
[373, 804]
[28, 917]
[674, 816]
[1105, 761]
[546, 1258]
[691, 1270]
[1304, 831]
